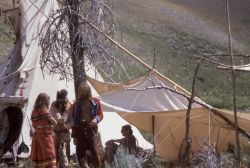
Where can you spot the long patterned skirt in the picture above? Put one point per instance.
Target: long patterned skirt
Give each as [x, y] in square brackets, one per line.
[43, 149]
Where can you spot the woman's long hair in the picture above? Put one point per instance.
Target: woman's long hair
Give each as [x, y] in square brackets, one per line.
[42, 101]
[60, 103]
[130, 141]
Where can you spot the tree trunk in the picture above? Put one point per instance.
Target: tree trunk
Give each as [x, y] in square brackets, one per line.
[77, 57]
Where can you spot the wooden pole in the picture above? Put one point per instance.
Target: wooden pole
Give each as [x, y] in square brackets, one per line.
[214, 110]
[133, 56]
[184, 158]
[233, 87]
[154, 61]
[13, 3]
[153, 131]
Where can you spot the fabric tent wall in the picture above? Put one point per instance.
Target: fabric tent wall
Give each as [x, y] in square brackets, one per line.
[149, 105]
[27, 79]
[110, 128]
[165, 106]
[169, 130]
[242, 67]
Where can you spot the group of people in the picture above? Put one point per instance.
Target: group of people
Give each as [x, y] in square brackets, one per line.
[51, 125]
[51, 129]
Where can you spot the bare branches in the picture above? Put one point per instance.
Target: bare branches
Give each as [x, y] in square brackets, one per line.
[207, 157]
[61, 29]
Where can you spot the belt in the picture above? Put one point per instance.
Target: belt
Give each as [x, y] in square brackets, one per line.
[62, 131]
[44, 126]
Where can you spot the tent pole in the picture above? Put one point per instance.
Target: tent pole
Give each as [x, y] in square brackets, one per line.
[13, 2]
[132, 55]
[161, 75]
[233, 86]
[153, 130]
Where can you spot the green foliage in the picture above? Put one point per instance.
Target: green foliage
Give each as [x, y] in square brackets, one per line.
[28, 163]
[175, 50]
[6, 40]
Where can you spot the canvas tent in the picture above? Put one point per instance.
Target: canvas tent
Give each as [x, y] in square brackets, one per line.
[245, 67]
[21, 77]
[143, 102]
[149, 104]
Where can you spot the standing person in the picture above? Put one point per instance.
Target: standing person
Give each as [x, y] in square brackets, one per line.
[60, 110]
[43, 149]
[86, 113]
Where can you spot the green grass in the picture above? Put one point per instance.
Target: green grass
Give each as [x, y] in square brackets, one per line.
[6, 40]
[175, 59]
[144, 30]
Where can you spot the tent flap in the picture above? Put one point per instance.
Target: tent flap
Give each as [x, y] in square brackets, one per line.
[148, 98]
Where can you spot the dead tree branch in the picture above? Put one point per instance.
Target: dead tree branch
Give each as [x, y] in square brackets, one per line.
[184, 155]
[70, 42]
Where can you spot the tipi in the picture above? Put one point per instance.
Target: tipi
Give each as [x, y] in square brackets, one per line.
[21, 80]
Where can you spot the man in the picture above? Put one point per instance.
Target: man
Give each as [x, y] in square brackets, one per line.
[60, 110]
[86, 113]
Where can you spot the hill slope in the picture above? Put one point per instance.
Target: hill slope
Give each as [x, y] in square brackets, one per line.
[215, 11]
[6, 38]
[180, 29]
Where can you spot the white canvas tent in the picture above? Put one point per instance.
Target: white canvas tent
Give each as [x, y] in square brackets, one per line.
[149, 104]
[21, 76]
[243, 67]
[142, 102]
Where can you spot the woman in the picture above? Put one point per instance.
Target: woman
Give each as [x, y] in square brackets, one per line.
[129, 143]
[43, 150]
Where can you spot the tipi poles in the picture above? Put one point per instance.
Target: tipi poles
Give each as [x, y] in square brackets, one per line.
[234, 86]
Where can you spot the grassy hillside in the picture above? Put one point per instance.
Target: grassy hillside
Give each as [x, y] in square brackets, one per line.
[6, 4]
[215, 11]
[179, 30]
[6, 38]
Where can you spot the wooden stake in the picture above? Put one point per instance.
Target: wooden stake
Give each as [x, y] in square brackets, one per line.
[233, 87]
[153, 127]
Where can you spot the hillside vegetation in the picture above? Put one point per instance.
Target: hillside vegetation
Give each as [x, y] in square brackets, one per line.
[6, 36]
[180, 30]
